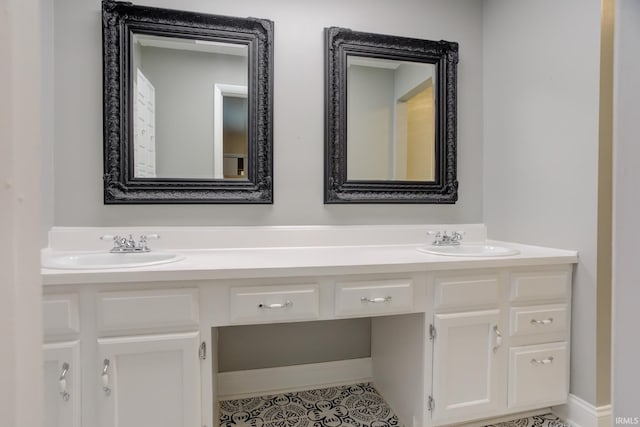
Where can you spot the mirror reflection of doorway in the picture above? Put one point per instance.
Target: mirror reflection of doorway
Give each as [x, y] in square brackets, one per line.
[234, 136]
[415, 135]
[230, 131]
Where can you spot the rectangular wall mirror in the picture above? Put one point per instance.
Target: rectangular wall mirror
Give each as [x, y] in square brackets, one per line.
[390, 119]
[205, 108]
[187, 104]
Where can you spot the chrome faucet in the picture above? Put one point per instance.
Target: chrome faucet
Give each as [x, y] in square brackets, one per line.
[128, 244]
[446, 238]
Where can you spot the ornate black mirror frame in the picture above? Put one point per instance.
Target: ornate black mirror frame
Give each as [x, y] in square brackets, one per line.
[119, 21]
[341, 42]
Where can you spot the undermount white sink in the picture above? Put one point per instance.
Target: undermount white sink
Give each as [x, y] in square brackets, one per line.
[102, 260]
[470, 250]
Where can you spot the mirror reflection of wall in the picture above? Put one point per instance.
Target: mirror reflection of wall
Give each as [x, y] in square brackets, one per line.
[390, 120]
[180, 130]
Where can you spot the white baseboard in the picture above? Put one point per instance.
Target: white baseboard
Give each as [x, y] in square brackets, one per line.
[255, 382]
[579, 413]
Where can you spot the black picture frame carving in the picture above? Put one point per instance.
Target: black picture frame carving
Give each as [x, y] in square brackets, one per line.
[342, 42]
[119, 21]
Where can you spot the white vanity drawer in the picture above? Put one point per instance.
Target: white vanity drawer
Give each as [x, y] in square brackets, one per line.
[538, 319]
[60, 315]
[274, 303]
[156, 309]
[538, 375]
[466, 291]
[531, 286]
[373, 297]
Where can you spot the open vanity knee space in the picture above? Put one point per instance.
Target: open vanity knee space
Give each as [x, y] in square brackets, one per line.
[449, 340]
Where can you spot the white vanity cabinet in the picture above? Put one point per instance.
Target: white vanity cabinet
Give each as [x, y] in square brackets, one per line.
[467, 374]
[148, 376]
[122, 358]
[449, 345]
[150, 380]
[62, 384]
[499, 342]
[468, 356]
[539, 327]
[62, 365]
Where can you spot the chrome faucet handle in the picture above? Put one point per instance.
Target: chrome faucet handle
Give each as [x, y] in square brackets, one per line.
[120, 243]
[129, 242]
[456, 236]
[447, 239]
[117, 241]
[142, 244]
[437, 239]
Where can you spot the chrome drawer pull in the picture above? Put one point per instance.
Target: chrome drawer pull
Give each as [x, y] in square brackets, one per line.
[547, 361]
[105, 377]
[498, 338]
[376, 300]
[277, 305]
[542, 322]
[62, 382]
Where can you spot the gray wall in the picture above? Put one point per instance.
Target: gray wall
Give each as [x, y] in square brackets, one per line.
[626, 269]
[298, 112]
[268, 346]
[541, 92]
[184, 82]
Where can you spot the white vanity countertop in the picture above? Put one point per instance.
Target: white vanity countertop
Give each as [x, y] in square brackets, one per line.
[248, 263]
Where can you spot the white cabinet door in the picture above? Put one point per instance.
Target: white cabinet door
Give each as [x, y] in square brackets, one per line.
[151, 380]
[469, 366]
[62, 384]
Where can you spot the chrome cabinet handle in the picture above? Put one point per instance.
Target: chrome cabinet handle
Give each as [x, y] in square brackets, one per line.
[498, 338]
[547, 361]
[375, 300]
[542, 322]
[277, 305]
[62, 382]
[105, 377]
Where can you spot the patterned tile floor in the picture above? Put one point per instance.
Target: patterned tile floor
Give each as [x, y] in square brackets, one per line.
[546, 420]
[358, 405]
